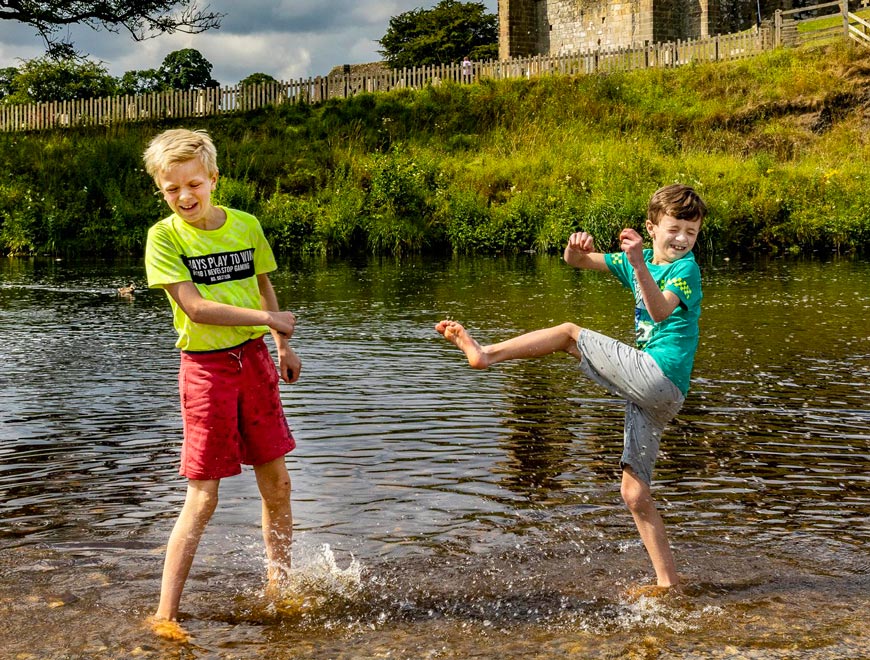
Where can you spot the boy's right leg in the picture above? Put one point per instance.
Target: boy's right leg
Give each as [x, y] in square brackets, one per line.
[199, 505]
[558, 339]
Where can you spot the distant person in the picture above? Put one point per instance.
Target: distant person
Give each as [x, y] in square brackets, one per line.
[213, 263]
[652, 378]
[466, 70]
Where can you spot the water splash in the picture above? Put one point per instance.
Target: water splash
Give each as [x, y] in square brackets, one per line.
[648, 612]
[316, 583]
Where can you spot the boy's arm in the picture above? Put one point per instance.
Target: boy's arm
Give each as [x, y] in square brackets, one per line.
[580, 253]
[289, 364]
[201, 310]
[659, 304]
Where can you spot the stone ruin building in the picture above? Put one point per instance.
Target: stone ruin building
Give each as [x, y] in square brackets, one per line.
[557, 27]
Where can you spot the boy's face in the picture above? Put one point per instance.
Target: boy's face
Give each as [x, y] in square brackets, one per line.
[187, 188]
[672, 239]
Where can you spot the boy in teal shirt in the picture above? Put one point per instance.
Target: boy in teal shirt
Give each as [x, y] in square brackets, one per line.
[653, 378]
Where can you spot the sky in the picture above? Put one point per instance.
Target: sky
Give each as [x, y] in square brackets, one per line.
[288, 39]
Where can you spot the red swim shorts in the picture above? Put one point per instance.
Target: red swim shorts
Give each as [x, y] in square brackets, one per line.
[232, 412]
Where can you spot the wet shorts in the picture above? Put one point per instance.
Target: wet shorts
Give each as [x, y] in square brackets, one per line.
[232, 412]
[652, 400]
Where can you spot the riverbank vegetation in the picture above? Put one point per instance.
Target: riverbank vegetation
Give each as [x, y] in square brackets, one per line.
[778, 145]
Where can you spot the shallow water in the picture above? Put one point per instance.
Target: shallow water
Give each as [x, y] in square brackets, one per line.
[443, 512]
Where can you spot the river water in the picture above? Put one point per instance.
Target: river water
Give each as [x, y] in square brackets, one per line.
[442, 512]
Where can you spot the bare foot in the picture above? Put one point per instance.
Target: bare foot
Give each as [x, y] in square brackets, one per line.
[651, 591]
[456, 334]
[167, 629]
[278, 584]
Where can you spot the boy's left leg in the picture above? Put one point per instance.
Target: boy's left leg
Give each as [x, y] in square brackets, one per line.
[637, 496]
[652, 400]
[273, 481]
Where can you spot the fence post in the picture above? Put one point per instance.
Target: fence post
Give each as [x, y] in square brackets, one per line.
[777, 28]
[844, 9]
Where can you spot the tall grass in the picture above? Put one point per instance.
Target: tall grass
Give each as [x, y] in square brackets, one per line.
[777, 145]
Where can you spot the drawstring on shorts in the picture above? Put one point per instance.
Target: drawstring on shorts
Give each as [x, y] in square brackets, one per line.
[237, 356]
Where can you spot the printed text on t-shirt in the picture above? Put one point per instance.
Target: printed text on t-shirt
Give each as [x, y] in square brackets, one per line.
[221, 267]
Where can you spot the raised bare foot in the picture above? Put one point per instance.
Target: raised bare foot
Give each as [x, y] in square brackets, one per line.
[457, 335]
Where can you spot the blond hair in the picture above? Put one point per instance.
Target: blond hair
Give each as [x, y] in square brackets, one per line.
[678, 201]
[179, 145]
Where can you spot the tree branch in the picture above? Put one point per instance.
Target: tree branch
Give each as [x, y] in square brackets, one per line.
[142, 19]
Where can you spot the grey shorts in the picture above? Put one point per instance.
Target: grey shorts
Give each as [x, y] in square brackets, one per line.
[651, 399]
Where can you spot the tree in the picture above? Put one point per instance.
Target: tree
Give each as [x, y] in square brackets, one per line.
[142, 81]
[257, 79]
[249, 85]
[7, 81]
[446, 33]
[142, 19]
[46, 79]
[186, 69]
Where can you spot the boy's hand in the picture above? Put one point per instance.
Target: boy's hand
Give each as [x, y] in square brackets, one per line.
[581, 242]
[289, 364]
[580, 252]
[284, 323]
[631, 243]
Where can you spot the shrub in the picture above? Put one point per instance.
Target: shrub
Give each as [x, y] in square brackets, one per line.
[398, 207]
[236, 194]
[289, 222]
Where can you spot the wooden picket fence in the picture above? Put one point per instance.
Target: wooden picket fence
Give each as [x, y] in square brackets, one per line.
[784, 31]
[787, 24]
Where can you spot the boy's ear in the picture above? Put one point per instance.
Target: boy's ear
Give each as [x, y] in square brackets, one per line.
[650, 227]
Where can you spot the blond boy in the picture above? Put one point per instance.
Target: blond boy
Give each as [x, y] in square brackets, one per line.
[213, 263]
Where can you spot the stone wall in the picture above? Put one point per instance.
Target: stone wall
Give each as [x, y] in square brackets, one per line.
[578, 25]
[555, 27]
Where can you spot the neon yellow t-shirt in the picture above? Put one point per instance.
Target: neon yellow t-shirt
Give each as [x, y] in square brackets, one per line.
[223, 264]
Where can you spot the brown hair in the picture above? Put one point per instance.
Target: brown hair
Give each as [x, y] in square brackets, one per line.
[179, 145]
[678, 201]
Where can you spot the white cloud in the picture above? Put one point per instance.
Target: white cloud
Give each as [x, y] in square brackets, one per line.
[238, 56]
[288, 39]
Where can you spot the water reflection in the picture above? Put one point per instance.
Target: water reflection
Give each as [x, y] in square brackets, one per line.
[483, 509]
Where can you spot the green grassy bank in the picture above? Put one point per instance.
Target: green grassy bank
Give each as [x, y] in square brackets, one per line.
[778, 145]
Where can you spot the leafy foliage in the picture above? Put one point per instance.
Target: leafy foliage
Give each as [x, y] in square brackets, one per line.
[7, 81]
[143, 81]
[186, 69]
[496, 166]
[257, 79]
[446, 33]
[50, 79]
[46, 79]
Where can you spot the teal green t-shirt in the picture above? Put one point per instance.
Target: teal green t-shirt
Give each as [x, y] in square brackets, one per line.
[672, 343]
[223, 264]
